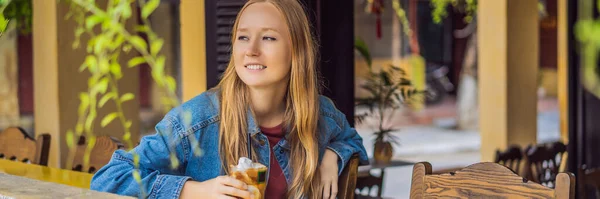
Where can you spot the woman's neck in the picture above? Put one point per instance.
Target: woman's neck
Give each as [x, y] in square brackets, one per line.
[268, 105]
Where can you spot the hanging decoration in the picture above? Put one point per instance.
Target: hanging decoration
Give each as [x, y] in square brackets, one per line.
[376, 7]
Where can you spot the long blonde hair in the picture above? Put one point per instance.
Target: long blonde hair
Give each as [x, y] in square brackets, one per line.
[302, 105]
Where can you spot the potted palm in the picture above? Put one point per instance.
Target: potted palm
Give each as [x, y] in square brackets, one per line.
[388, 90]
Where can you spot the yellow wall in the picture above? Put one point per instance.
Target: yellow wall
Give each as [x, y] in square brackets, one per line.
[508, 64]
[193, 46]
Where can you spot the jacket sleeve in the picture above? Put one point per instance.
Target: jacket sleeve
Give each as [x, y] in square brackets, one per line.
[160, 178]
[347, 142]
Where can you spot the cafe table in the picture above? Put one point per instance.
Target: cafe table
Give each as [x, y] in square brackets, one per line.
[21, 180]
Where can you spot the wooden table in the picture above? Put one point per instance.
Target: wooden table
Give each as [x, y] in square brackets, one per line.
[20, 180]
[49, 174]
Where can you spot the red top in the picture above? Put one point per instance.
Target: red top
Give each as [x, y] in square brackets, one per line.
[277, 186]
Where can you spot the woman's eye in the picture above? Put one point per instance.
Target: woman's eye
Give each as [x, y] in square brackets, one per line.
[243, 38]
[269, 38]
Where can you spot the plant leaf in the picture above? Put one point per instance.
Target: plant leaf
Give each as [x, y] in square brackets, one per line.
[362, 48]
[171, 84]
[138, 42]
[136, 61]
[156, 46]
[84, 99]
[115, 69]
[93, 20]
[127, 97]
[108, 118]
[150, 6]
[70, 140]
[105, 99]
[91, 62]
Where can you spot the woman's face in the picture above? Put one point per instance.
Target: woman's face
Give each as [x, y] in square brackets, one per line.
[262, 49]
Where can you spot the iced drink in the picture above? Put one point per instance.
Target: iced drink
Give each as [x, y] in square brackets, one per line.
[252, 173]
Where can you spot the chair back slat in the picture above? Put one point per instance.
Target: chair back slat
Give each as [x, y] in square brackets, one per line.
[484, 180]
[100, 153]
[17, 145]
[347, 179]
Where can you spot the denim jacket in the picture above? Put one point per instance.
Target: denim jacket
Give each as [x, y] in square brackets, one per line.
[172, 142]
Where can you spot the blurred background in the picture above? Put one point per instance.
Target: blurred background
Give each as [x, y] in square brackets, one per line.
[465, 79]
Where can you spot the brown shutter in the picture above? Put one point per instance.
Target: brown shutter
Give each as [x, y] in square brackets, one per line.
[220, 16]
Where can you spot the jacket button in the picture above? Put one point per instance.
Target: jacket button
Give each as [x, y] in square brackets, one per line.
[261, 142]
[281, 151]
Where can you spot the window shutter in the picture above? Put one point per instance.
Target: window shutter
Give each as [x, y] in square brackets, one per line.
[220, 16]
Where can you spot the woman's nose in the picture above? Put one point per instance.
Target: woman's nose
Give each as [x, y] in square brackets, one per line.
[252, 50]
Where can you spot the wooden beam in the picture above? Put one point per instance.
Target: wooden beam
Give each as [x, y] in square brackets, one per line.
[508, 34]
[45, 75]
[563, 70]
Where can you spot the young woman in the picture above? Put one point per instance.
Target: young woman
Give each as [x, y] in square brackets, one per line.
[270, 91]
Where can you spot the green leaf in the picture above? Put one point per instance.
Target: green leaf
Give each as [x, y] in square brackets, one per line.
[84, 99]
[91, 142]
[119, 39]
[386, 78]
[115, 69]
[141, 28]
[105, 99]
[79, 129]
[159, 68]
[90, 120]
[126, 11]
[102, 85]
[108, 118]
[170, 83]
[92, 63]
[156, 46]
[93, 20]
[174, 161]
[127, 97]
[70, 140]
[127, 136]
[104, 66]
[136, 61]
[150, 6]
[136, 176]
[136, 160]
[128, 124]
[138, 42]
[362, 48]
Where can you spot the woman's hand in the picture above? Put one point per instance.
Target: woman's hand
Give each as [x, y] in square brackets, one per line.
[219, 187]
[329, 174]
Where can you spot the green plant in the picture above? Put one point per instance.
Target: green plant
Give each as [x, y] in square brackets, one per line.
[587, 32]
[469, 7]
[389, 89]
[19, 11]
[108, 37]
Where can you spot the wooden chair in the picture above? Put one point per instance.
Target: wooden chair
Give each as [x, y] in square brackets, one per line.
[589, 178]
[543, 162]
[484, 180]
[510, 158]
[347, 179]
[17, 145]
[100, 154]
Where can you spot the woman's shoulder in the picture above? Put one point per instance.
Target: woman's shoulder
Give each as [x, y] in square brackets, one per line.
[199, 110]
[328, 109]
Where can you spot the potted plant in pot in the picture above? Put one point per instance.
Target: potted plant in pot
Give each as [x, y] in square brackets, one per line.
[388, 90]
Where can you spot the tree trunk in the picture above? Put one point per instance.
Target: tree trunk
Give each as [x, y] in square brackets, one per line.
[467, 103]
[9, 104]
